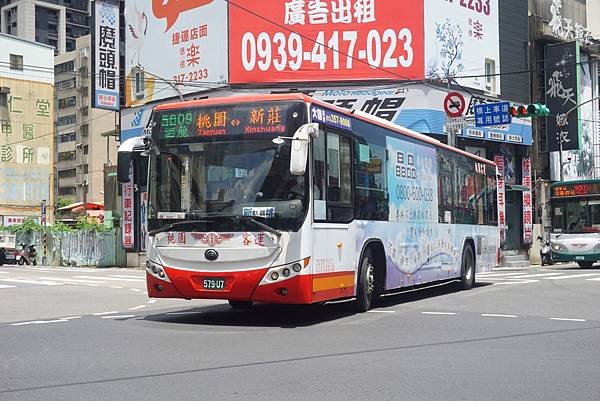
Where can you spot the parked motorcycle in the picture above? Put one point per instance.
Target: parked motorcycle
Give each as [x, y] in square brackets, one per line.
[26, 255]
[545, 251]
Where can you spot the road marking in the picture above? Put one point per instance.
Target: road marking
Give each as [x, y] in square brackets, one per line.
[138, 307]
[40, 322]
[496, 315]
[381, 311]
[572, 276]
[564, 319]
[151, 301]
[24, 281]
[105, 313]
[113, 278]
[91, 285]
[69, 279]
[439, 313]
[7, 286]
[516, 282]
[593, 279]
[498, 274]
[115, 286]
[71, 317]
[117, 317]
[136, 289]
[538, 275]
[137, 278]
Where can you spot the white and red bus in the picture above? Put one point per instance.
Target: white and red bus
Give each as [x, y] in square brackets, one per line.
[288, 199]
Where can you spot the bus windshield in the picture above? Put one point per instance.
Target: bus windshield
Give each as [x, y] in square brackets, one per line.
[576, 215]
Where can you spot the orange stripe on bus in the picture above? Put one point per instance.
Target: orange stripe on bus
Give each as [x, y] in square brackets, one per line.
[332, 282]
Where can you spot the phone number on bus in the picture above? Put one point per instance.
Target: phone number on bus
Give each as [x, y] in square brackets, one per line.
[414, 193]
[340, 50]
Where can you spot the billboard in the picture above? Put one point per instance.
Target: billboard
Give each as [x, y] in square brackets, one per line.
[174, 48]
[335, 40]
[106, 56]
[562, 94]
[462, 39]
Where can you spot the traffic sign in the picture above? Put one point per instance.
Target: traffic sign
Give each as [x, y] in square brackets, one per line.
[454, 104]
[489, 114]
[455, 123]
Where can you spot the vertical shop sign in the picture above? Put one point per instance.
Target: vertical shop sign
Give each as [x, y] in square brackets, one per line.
[128, 226]
[106, 56]
[499, 160]
[527, 202]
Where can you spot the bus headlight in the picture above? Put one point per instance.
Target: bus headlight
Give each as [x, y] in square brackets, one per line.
[157, 271]
[287, 271]
[558, 247]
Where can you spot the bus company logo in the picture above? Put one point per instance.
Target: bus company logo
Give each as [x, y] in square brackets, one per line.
[405, 166]
[212, 239]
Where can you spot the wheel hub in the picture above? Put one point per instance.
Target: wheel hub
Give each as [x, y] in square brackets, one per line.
[370, 279]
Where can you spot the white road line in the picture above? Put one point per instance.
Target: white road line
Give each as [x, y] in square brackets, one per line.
[151, 301]
[24, 281]
[117, 317]
[516, 282]
[40, 322]
[115, 286]
[537, 275]
[91, 285]
[572, 276]
[138, 307]
[105, 313]
[497, 274]
[496, 315]
[69, 280]
[593, 279]
[136, 289]
[381, 311]
[439, 313]
[7, 286]
[564, 319]
[71, 317]
[124, 276]
[113, 278]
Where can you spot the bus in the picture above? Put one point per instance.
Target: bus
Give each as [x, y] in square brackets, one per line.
[575, 214]
[283, 198]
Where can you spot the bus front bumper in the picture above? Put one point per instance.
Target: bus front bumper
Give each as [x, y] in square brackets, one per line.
[571, 257]
[239, 286]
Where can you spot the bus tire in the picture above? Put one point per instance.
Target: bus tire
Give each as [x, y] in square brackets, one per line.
[365, 286]
[467, 268]
[585, 265]
[240, 305]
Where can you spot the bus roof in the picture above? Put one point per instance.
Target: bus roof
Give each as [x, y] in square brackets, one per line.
[302, 97]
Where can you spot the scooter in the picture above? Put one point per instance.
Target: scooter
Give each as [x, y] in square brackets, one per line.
[545, 251]
[26, 255]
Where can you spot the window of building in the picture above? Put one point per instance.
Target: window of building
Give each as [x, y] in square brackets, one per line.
[64, 156]
[85, 149]
[66, 120]
[66, 191]
[66, 84]
[16, 62]
[85, 111]
[85, 169]
[67, 173]
[70, 137]
[67, 102]
[68, 66]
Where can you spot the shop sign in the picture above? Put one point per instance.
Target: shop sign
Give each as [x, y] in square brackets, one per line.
[527, 202]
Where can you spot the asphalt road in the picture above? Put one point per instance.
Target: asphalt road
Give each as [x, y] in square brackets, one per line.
[92, 334]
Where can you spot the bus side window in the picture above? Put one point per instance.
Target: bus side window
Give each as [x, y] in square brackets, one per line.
[339, 178]
[319, 177]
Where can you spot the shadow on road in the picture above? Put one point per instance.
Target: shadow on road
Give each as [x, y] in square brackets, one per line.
[292, 316]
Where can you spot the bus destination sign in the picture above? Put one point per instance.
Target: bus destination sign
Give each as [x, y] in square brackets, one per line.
[252, 119]
[579, 189]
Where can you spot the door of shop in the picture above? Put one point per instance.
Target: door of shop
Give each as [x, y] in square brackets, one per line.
[513, 218]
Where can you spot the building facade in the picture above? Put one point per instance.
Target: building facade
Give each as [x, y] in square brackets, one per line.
[55, 23]
[85, 136]
[27, 135]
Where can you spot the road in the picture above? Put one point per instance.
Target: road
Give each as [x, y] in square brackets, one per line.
[92, 334]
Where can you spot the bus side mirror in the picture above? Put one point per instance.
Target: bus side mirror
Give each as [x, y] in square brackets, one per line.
[300, 142]
[124, 156]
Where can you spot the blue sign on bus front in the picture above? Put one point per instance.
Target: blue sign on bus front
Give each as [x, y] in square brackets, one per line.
[331, 118]
[489, 114]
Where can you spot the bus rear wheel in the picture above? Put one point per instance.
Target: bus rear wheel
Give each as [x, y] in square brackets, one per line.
[585, 265]
[467, 268]
[365, 289]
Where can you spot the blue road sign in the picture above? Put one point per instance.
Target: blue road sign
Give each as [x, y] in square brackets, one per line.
[490, 114]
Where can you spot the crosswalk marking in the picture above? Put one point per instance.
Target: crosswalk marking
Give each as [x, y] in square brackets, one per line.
[593, 279]
[7, 286]
[572, 276]
[537, 275]
[24, 281]
[74, 280]
[113, 278]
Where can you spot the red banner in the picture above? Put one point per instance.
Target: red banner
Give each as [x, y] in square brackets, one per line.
[325, 40]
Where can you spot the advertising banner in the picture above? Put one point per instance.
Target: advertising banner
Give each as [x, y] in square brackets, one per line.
[128, 227]
[333, 40]
[527, 202]
[462, 39]
[562, 94]
[174, 47]
[106, 55]
[499, 160]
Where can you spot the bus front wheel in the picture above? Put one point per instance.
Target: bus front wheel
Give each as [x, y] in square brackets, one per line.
[585, 265]
[365, 288]
[467, 268]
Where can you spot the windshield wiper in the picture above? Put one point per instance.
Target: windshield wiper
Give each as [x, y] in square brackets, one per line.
[177, 223]
[194, 215]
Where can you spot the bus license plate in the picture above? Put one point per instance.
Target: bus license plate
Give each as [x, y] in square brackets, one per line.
[579, 257]
[214, 283]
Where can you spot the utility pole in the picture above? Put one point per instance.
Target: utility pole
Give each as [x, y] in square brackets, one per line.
[84, 188]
